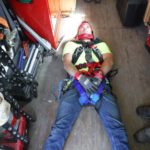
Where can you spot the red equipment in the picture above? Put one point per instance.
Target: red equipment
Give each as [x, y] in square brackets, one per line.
[38, 15]
[9, 142]
[148, 39]
[13, 126]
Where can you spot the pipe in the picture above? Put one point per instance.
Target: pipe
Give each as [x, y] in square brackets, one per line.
[42, 41]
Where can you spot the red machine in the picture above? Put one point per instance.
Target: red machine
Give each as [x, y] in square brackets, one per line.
[13, 126]
[9, 142]
[41, 15]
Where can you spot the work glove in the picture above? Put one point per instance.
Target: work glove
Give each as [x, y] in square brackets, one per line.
[96, 81]
[87, 84]
[98, 78]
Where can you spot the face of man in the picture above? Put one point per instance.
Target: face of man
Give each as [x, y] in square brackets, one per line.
[85, 32]
[84, 28]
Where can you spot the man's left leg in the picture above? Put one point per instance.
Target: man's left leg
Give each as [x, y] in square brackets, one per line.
[109, 113]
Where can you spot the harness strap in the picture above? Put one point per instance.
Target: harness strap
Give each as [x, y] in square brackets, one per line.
[87, 46]
[98, 54]
[77, 54]
[92, 68]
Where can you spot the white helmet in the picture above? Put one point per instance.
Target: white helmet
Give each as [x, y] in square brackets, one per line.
[4, 110]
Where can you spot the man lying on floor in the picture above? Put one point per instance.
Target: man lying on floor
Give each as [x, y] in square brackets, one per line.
[87, 61]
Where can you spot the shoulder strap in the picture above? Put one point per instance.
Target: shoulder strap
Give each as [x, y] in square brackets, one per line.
[98, 54]
[77, 54]
[96, 50]
[97, 40]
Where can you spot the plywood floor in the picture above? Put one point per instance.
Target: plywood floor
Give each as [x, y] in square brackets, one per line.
[131, 85]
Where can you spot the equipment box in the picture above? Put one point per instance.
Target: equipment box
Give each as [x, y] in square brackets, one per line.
[131, 12]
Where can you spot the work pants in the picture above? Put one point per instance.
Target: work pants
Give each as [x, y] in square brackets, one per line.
[68, 112]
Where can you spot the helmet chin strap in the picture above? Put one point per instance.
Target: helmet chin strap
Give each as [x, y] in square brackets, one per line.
[85, 37]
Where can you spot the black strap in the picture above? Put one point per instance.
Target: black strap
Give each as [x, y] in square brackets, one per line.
[77, 54]
[88, 55]
[15, 133]
[92, 42]
[87, 47]
[2, 70]
[98, 54]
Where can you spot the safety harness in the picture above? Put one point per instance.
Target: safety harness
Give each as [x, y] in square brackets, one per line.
[88, 48]
[92, 66]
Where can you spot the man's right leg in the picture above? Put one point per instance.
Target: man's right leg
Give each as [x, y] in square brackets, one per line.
[67, 113]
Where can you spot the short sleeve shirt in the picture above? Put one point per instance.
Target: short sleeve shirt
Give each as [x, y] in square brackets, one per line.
[71, 46]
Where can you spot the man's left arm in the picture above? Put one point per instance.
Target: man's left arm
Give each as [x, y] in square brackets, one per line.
[107, 63]
[106, 66]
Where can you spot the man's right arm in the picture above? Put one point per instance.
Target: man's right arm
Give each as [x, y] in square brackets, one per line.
[68, 66]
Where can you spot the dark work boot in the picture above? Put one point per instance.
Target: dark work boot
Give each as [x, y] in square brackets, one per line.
[143, 135]
[143, 111]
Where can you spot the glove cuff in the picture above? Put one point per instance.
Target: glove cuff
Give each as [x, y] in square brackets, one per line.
[77, 75]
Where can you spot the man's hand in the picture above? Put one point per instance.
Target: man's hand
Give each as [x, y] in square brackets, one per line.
[98, 78]
[87, 84]
[96, 81]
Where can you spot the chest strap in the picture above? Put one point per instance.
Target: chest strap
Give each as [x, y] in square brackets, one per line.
[92, 68]
[86, 47]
